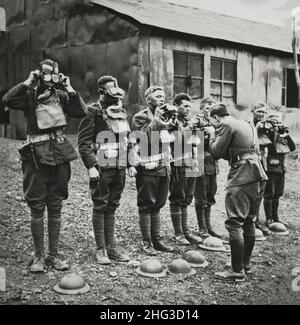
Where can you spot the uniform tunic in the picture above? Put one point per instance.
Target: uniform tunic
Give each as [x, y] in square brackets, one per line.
[245, 183]
[152, 184]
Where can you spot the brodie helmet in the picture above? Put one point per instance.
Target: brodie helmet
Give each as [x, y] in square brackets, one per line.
[278, 228]
[151, 268]
[181, 267]
[72, 284]
[213, 244]
[195, 258]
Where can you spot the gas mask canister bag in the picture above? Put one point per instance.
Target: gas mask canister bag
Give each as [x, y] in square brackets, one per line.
[49, 112]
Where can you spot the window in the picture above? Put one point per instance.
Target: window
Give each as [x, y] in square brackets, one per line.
[283, 90]
[223, 80]
[188, 74]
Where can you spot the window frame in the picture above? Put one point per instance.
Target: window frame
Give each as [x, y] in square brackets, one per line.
[184, 77]
[284, 87]
[223, 81]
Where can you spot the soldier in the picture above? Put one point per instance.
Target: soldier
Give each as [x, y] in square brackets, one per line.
[260, 111]
[103, 145]
[182, 183]
[237, 142]
[47, 153]
[206, 185]
[153, 174]
[280, 143]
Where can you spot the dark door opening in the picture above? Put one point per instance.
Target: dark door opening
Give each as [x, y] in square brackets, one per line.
[292, 89]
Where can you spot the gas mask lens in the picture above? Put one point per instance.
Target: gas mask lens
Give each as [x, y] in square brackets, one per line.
[51, 77]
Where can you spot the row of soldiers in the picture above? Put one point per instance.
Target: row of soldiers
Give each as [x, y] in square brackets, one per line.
[108, 147]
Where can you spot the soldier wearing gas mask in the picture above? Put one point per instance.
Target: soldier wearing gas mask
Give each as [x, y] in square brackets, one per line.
[206, 185]
[184, 171]
[278, 145]
[153, 176]
[104, 144]
[45, 97]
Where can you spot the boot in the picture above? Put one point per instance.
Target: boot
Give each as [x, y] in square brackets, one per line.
[176, 218]
[249, 242]
[201, 222]
[37, 231]
[155, 234]
[145, 226]
[109, 229]
[207, 212]
[54, 224]
[185, 226]
[236, 241]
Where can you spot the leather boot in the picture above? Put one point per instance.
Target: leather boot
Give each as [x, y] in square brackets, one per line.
[176, 218]
[201, 222]
[249, 242]
[185, 226]
[145, 226]
[236, 241]
[155, 234]
[207, 212]
[109, 229]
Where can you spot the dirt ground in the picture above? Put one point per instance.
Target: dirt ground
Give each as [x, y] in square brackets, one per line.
[118, 283]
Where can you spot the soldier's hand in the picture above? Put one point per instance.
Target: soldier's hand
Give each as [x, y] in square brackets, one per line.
[33, 77]
[210, 130]
[94, 174]
[132, 171]
[65, 82]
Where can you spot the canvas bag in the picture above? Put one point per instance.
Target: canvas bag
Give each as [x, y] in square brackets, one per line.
[49, 112]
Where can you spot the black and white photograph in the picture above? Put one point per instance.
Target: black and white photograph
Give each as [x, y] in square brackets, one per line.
[149, 155]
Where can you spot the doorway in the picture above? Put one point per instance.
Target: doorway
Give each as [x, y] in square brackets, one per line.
[291, 89]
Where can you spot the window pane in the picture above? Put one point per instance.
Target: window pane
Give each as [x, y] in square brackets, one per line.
[229, 71]
[196, 88]
[216, 69]
[228, 90]
[216, 88]
[180, 64]
[195, 65]
[179, 85]
[228, 100]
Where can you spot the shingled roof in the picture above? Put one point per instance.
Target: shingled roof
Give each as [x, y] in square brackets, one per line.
[203, 23]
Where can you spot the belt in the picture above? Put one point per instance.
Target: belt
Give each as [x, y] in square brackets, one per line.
[44, 137]
[153, 158]
[38, 138]
[244, 156]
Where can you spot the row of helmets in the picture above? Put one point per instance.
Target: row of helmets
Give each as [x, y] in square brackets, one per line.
[182, 266]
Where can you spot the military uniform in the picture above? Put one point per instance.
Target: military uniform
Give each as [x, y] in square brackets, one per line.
[182, 184]
[109, 156]
[237, 142]
[46, 160]
[276, 151]
[153, 177]
[205, 191]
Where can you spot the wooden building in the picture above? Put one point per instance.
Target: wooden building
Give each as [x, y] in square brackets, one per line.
[146, 43]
